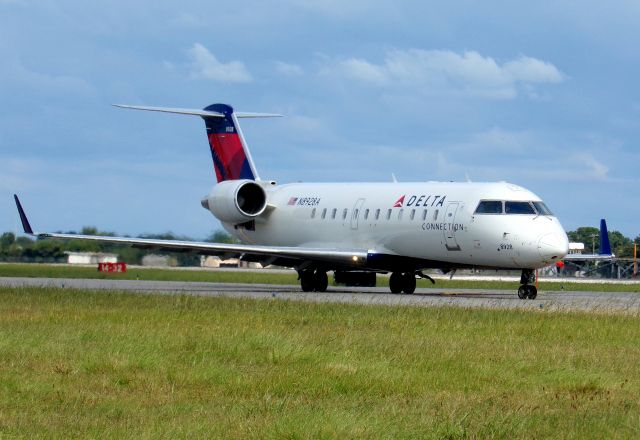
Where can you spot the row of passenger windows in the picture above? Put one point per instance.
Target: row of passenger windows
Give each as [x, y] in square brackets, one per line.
[373, 214]
[509, 207]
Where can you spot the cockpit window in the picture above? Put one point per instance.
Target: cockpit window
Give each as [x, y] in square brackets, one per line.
[518, 208]
[542, 208]
[489, 207]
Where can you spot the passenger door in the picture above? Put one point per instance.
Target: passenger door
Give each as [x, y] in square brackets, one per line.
[355, 214]
[450, 226]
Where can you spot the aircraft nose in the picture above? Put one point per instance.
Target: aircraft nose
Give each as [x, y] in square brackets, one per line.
[553, 246]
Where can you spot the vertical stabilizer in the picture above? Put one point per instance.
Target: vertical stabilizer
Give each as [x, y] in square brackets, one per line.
[231, 158]
[605, 246]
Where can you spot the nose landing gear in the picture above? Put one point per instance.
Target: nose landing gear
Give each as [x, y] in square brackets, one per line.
[402, 282]
[527, 289]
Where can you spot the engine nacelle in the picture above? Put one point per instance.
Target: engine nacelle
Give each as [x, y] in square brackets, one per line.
[236, 201]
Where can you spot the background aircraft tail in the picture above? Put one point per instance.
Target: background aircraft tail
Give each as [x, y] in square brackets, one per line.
[605, 246]
[231, 157]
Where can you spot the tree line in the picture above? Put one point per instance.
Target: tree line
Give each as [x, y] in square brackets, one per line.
[26, 249]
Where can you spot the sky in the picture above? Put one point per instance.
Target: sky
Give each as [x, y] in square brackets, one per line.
[542, 94]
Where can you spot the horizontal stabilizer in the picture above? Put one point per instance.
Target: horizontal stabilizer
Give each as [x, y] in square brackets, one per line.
[197, 112]
[179, 111]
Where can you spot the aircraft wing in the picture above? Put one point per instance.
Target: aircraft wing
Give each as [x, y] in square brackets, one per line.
[289, 256]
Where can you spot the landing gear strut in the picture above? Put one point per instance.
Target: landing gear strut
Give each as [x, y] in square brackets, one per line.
[402, 282]
[527, 289]
[313, 280]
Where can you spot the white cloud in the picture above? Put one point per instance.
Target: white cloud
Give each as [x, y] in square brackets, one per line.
[205, 65]
[447, 72]
[287, 69]
[532, 70]
[595, 169]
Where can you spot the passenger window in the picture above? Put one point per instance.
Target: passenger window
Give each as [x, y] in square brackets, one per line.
[344, 214]
[424, 214]
[324, 213]
[355, 213]
[435, 214]
[333, 213]
[313, 213]
[518, 208]
[400, 214]
[389, 214]
[413, 214]
[489, 207]
[377, 214]
[366, 213]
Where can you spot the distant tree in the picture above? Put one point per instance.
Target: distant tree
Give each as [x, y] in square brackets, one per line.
[7, 239]
[587, 235]
[621, 246]
[89, 230]
[24, 242]
[221, 237]
[130, 255]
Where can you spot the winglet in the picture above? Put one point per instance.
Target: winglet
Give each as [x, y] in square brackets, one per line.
[23, 217]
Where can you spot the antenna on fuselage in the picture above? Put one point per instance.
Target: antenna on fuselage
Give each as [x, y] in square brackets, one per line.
[393, 178]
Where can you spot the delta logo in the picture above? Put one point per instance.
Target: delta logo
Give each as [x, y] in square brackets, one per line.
[423, 200]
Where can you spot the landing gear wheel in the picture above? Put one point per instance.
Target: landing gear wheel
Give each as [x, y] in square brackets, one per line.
[307, 280]
[395, 282]
[533, 292]
[409, 283]
[522, 292]
[526, 291]
[320, 281]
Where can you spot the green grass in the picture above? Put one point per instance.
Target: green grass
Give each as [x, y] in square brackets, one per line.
[79, 364]
[269, 277]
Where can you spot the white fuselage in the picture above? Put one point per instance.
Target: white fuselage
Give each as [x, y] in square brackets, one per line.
[432, 221]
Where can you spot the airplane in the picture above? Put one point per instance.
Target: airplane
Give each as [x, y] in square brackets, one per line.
[359, 229]
[605, 253]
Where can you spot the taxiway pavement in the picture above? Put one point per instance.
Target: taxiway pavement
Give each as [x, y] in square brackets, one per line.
[597, 302]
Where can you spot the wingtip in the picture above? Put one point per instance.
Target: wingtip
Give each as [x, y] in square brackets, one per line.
[23, 217]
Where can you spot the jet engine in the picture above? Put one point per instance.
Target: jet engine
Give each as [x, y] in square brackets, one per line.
[236, 201]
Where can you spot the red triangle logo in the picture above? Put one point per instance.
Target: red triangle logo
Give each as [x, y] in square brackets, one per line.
[399, 202]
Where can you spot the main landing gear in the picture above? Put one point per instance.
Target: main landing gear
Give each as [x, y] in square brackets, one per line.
[402, 282]
[313, 280]
[527, 289]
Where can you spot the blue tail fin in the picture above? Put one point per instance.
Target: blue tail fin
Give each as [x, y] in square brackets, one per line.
[605, 246]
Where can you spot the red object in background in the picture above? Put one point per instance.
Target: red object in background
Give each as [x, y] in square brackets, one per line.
[560, 264]
[112, 267]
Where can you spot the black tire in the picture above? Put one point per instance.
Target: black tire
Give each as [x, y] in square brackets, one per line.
[320, 281]
[307, 281]
[408, 283]
[395, 282]
[523, 292]
[532, 292]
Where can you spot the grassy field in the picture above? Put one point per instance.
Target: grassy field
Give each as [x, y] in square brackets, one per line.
[270, 277]
[77, 364]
